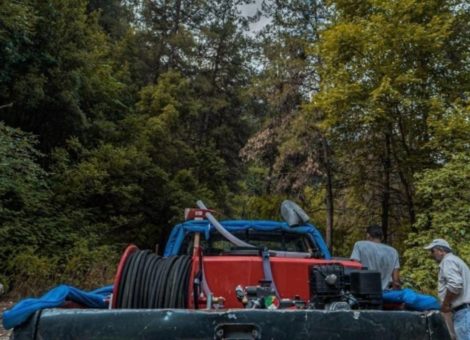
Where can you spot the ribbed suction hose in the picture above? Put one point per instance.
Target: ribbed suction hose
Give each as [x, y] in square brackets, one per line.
[225, 233]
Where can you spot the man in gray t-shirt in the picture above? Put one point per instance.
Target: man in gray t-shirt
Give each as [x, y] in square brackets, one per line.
[377, 256]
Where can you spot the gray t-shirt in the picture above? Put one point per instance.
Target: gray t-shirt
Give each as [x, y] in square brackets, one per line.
[377, 256]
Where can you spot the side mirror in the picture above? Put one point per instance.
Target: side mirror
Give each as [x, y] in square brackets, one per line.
[293, 214]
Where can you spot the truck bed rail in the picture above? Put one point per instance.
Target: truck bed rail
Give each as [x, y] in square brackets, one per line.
[231, 324]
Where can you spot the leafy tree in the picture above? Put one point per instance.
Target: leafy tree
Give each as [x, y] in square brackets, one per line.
[382, 79]
[40, 241]
[59, 77]
[134, 186]
[204, 41]
[444, 194]
[114, 16]
[357, 110]
[23, 191]
[23, 184]
[16, 30]
[294, 150]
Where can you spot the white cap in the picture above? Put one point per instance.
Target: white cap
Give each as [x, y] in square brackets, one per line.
[438, 242]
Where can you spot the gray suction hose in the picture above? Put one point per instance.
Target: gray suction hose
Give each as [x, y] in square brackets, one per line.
[235, 240]
[239, 243]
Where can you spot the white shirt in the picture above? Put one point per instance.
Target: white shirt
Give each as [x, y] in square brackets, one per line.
[454, 275]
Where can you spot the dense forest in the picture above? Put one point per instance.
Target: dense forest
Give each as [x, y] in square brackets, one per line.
[118, 114]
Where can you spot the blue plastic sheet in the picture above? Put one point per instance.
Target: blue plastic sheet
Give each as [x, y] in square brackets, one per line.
[99, 299]
[205, 227]
[412, 299]
[56, 297]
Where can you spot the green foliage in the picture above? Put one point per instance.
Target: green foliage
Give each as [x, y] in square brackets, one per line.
[58, 77]
[384, 87]
[136, 184]
[23, 186]
[137, 109]
[16, 22]
[357, 110]
[387, 102]
[45, 240]
[114, 16]
[23, 190]
[89, 266]
[445, 197]
[84, 265]
[32, 273]
[259, 207]
[252, 202]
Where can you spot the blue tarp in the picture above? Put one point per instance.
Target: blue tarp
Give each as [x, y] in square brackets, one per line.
[412, 299]
[99, 299]
[56, 297]
[205, 227]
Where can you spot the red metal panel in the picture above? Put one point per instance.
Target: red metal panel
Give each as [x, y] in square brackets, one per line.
[291, 275]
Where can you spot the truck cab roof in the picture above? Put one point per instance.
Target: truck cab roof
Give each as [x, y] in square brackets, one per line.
[275, 235]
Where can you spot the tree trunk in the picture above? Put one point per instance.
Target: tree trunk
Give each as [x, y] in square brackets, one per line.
[386, 183]
[174, 31]
[329, 195]
[403, 170]
[409, 198]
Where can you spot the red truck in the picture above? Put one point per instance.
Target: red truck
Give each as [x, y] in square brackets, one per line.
[240, 280]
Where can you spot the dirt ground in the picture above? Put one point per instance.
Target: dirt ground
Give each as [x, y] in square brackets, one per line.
[4, 304]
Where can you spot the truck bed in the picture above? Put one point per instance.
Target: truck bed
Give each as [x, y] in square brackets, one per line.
[231, 324]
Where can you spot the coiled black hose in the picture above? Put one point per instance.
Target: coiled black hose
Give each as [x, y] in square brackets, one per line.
[177, 279]
[152, 281]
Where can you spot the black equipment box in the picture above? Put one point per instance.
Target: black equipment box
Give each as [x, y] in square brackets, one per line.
[323, 282]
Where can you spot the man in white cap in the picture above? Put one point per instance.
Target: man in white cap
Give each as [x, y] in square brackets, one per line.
[453, 286]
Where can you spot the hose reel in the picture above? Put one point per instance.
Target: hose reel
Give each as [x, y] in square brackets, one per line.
[147, 280]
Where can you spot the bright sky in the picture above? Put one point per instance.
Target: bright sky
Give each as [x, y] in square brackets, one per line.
[249, 10]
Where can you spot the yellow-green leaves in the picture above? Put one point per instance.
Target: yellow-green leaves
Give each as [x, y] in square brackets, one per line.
[444, 194]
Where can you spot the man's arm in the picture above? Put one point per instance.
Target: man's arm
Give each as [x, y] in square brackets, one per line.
[454, 285]
[446, 304]
[396, 284]
[355, 255]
